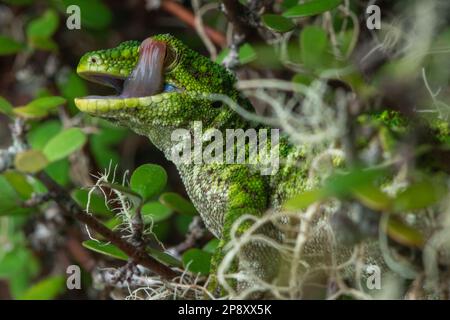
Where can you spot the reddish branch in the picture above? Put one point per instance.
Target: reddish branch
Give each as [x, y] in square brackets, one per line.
[188, 17]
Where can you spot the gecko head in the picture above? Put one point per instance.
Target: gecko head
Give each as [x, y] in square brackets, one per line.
[158, 82]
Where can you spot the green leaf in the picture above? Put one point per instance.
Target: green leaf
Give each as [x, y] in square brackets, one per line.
[339, 185]
[277, 23]
[211, 246]
[43, 27]
[155, 211]
[313, 43]
[113, 222]
[9, 200]
[30, 161]
[46, 289]
[96, 204]
[64, 143]
[420, 195]
[47, 103]
[20, 184]
[197, 261]
[148, 180]
[305, 199]
[94, 13]
[343, 184]
[246, 53]
[130, 193]
[5, 106]
[177, 203]
[311, 8]
[9, 46]
[164, 258]
[40, 134]
[40, 107]
[106, 249]
[404, 234]
[373, 198]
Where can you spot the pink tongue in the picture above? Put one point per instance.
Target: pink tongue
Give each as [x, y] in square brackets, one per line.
[147, 77]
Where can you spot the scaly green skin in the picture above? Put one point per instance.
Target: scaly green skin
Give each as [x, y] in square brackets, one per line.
[220, 192]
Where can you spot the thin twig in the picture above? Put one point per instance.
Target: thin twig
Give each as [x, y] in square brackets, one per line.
[65, 202]
[188, 17]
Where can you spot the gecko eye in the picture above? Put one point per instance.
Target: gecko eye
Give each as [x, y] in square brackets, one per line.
[169, 87]
[94, 60]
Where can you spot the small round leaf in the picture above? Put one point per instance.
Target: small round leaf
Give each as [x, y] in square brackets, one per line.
[148, 180]
[30, 161]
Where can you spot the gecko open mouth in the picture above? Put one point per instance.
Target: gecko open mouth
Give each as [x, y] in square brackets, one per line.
[145, 81]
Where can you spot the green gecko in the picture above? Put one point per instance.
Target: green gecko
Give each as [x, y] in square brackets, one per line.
[162, 86]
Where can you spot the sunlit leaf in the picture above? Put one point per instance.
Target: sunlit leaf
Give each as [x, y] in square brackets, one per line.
[47, 103]
[404, 234]
[313, 43]
[40, 107]
[372, 197]
[246, 53]
[9, 199]
[64, 143]
[311, 8]
[20, 183]
[304, 199]
[155, 212]
[44, 26]
[106, 249]
[46, 289]
[30, 161]
[420, 195]
[40, 134]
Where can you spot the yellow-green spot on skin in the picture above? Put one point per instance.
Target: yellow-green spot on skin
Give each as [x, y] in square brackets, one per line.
[116, 104]
[114, 54]
[103, 104]
[124, 72]
[132, 102]
[145, 101]
[157, 98]
[126, 53]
